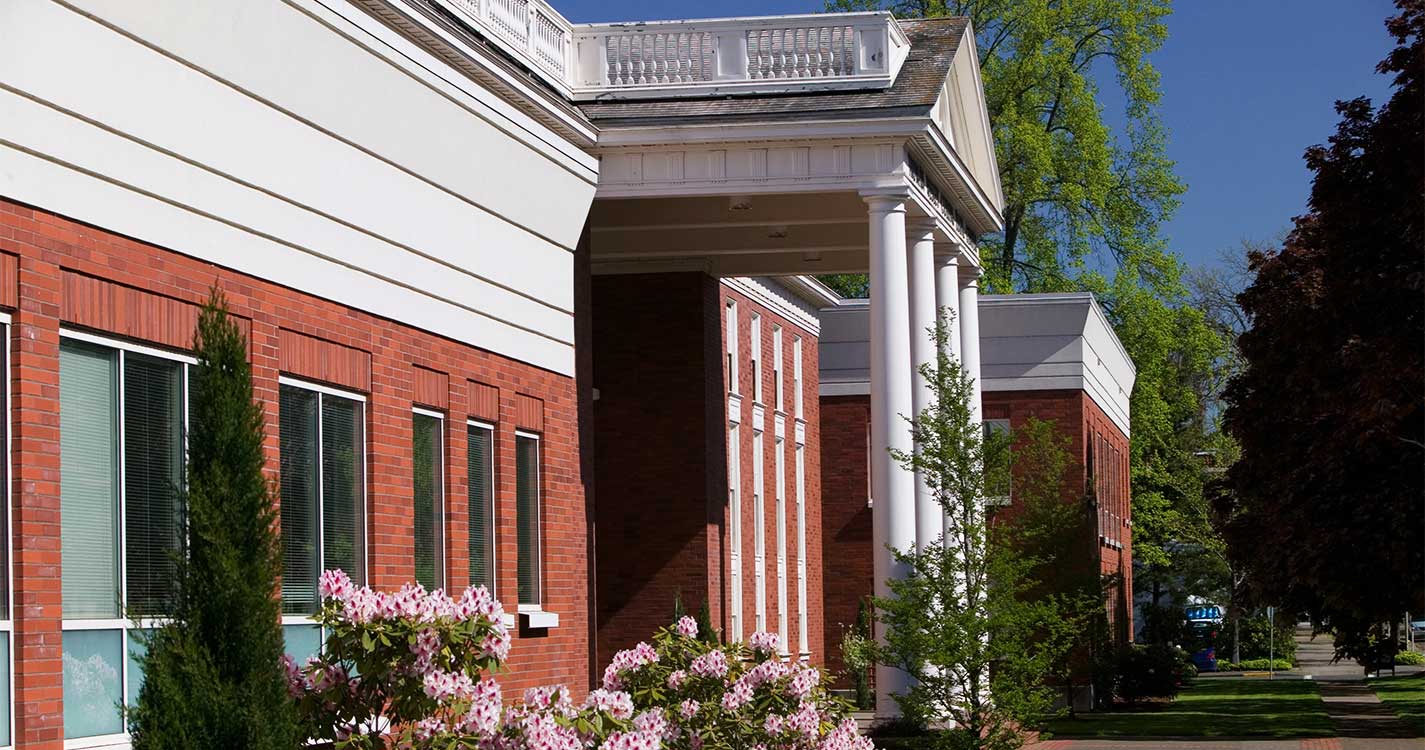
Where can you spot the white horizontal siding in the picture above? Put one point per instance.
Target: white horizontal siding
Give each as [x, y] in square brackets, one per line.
[360, 182]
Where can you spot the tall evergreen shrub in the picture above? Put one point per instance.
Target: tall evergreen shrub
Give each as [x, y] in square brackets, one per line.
[212, 674]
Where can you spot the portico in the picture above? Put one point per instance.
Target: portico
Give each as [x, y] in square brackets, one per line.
[894, 182]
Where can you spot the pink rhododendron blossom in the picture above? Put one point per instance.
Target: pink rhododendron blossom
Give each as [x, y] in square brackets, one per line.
[633, 741]
[446, 685]
[737, 696]
[615, 703]
[711, 664]
[496, 645]
[688, 709]
[628, 660]
[773, 724]
[335, 584]
[764, 641]
[806, 721]
[676, 679]
[687, 627]
[801, 686]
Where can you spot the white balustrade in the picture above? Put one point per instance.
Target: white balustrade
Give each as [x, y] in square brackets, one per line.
[673, 59]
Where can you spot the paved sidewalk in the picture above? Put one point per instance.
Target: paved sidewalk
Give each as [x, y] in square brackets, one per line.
[1193, 743]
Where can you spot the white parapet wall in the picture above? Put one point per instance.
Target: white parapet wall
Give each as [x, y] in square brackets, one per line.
[1028, 342]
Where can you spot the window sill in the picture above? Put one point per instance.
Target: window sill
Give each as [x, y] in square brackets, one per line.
[534, 618]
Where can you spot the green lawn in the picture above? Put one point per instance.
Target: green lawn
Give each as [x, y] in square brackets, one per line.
[1217, 707]
[1406, 695]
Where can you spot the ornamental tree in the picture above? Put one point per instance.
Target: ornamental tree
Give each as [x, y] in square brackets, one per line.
[1329, 408]
[211, 673]
[975, 621]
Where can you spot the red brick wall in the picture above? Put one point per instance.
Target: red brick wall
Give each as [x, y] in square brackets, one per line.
[658, 462]
[846, 518]
[55, 271]
[746, 308]
[1082, 421]
[661, 466]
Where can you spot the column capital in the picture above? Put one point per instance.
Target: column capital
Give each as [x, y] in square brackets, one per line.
[919, 224]
[970, 275]
[886, 199]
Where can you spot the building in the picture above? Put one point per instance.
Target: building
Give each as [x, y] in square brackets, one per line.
[1052, 357]
[470, 237]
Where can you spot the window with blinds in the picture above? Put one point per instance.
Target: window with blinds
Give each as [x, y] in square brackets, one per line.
[89, 480]
[527, 513]
[480, 476]
[323, 495]
[123, 422]
[153, 476]
[427, 489]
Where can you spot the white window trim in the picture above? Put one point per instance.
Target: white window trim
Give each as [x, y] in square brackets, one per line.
[734, 515]
[494, 548]
[365, 476]
[756, 345]
[120, 624]
[534, 615]
[797, 374]
[128, 346]
[801, 487]
[733, 351]
[7, 624]
[441, 567]
[324, 389]
[759, 530]
[777, 386]
[779, 465]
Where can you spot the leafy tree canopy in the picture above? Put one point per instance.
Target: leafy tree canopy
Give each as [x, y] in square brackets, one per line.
[1329, 408]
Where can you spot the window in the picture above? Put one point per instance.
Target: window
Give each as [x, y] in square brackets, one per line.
[123, 421]
[759, 533]
[757, 358]
[732, 383]
[779, 465]
[323, 465]
[480, 484]
[6, 623]
[797, 374]
[777, 367]
[428, 492]
[527, 513]
[801, 485]
[999, 478]
[734, 529]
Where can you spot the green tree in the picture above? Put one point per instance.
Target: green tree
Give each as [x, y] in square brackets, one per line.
[1079, 197]
[1329, 406]
[981, 636]
[212, 675]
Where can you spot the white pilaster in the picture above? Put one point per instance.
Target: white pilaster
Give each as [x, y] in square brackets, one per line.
[920, 255]
[970, 334]
[892, 487]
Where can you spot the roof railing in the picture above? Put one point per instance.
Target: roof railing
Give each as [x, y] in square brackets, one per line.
[679, 59]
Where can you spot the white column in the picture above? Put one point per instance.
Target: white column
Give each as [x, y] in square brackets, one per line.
[920, 257]
[947, 299]
[970, 333]
[892, 487]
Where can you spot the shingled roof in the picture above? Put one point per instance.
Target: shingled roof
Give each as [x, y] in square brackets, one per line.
[933, 43]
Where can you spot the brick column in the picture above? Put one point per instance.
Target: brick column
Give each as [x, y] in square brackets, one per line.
[38, 686]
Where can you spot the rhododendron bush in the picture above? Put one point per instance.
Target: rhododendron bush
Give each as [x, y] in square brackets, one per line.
[739, 697]
[410, 670]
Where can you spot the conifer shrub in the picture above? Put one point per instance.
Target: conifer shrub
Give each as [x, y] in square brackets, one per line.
[212, 673]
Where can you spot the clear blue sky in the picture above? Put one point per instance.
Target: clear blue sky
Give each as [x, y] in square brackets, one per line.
[1247, 86]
